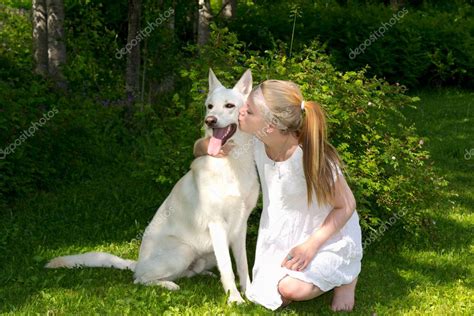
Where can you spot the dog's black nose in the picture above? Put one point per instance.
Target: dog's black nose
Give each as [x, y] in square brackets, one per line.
[211, 120]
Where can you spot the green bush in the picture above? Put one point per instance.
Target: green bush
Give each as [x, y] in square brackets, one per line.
[426, 47]
[387, 167]
[54, 136]
[164, 139]
[92, 68]
[53, 139]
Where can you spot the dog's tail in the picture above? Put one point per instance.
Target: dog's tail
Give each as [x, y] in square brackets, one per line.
[92, 259]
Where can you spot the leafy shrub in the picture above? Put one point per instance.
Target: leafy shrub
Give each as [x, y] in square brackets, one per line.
[164, 139]
[92, 66]
[427, 46]
[387, 167]
[79, 135]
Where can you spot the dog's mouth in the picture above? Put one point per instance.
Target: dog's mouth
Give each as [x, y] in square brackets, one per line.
[219, 137]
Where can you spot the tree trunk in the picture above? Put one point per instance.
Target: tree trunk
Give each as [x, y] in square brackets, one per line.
[230, 7]
[56, 45]
[133, 48]
[168, 82]
[396, 4]
[172, 19]
[204, 11]
[40, 37]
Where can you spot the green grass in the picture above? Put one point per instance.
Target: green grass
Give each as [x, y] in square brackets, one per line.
[401, 273]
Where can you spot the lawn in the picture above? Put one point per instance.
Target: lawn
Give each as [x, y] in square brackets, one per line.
[401, 273]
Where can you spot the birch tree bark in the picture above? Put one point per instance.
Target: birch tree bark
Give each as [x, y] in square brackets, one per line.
[172, 19]
[56, 45]
[230, 7]
[40, 37]
[132, 76]
[204, 18]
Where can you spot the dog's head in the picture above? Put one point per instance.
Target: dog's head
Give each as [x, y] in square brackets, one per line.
[222, 109]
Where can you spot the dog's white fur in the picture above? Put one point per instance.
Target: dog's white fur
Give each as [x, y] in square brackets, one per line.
[205, 213]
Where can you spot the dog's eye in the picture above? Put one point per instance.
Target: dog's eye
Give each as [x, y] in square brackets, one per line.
[229, 105]
[210, 106]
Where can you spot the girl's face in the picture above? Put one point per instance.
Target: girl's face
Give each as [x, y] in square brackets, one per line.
[251, 119]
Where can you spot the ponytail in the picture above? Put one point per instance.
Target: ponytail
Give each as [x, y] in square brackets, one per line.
[320, 159]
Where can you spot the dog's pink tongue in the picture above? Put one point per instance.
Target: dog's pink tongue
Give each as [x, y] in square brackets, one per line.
[214, 147]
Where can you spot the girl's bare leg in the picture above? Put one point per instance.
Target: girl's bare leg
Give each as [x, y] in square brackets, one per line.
[292, 289]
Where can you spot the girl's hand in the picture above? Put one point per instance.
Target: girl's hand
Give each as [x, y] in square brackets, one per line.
[300, 256]
[200, 147]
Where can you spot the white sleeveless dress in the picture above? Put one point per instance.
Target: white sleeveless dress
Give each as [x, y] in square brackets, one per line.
[286, 221]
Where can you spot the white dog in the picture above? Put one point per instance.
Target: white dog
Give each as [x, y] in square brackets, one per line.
[206, 211]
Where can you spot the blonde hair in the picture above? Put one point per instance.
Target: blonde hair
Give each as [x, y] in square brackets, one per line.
[320, 159]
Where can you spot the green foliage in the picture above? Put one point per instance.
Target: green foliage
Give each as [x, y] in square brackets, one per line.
[75, 136]
[52, 136]
[164, 139]
[17, 4]
[427, 46]
[15, 36]
[92, 67]
[387, 167]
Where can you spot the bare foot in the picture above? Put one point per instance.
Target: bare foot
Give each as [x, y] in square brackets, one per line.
[343, 299]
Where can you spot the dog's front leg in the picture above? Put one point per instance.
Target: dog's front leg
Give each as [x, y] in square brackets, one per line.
[221, 250]
[240, 255]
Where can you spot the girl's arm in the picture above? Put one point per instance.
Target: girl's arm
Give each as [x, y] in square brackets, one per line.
[344, 206]
[200, 146]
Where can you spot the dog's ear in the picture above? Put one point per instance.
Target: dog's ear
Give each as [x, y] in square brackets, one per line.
[213, 81]
[244, 85]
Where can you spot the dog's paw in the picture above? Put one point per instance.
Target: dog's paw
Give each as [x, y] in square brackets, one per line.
[235, 298]
[169, 285]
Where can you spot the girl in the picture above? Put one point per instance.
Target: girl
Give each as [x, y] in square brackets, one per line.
[309, 238]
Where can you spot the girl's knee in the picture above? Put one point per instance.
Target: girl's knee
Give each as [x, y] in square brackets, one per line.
[284, 289]
[294, 289]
